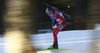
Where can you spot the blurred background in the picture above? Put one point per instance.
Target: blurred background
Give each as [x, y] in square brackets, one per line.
[30, 17]
[79, 10]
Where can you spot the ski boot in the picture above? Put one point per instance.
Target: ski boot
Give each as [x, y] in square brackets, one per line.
[54, 46]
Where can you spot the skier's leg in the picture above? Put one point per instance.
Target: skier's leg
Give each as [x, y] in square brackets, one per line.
[55, 43]
[55, 32]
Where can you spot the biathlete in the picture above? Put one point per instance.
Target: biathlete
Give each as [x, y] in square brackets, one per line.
[58, 26]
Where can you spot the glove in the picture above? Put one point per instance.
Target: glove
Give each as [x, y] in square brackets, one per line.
[54, 27]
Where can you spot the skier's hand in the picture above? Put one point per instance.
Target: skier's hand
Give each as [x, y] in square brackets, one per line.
[55, 26]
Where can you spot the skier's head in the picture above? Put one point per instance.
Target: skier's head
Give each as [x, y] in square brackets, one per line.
[49, 10]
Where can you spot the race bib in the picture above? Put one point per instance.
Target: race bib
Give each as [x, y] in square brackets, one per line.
[60, 26]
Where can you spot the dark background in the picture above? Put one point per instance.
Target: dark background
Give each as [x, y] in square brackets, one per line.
[43, 21]
[79, 10]
[2, 7]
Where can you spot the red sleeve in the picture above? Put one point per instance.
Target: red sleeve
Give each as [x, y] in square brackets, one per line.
[58, 16]
[61, 18]
[62, 21]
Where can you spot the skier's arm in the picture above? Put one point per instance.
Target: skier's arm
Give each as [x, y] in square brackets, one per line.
[60, 18]
[53, 22]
